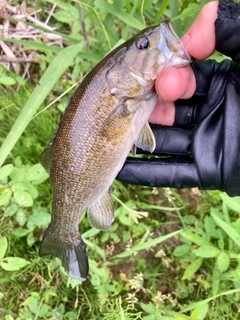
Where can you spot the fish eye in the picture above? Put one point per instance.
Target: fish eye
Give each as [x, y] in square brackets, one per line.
[142, 43]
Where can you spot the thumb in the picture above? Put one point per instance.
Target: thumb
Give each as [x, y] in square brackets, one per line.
[200, 39]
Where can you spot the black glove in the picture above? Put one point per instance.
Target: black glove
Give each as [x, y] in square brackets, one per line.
[202, 149]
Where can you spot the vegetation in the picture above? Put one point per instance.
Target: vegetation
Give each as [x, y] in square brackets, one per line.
[169, 254]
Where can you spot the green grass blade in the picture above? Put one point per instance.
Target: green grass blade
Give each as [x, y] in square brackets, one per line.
[174, 6]
[202, 302]
[57, 67]
[230, 231]
[119, 14]
[141, 246]
[33, 45]
[162, 9]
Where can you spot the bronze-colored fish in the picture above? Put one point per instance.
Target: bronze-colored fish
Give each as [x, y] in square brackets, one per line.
[106, 118]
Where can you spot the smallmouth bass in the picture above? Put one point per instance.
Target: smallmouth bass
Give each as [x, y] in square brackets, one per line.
[106, 117]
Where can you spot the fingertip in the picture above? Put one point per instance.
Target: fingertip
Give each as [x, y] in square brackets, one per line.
[169, 84]
[176, 83]
[163, 113]
[200, 39]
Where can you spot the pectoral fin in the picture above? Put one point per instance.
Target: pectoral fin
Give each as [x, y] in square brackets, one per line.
[101, 212]
[146, 140]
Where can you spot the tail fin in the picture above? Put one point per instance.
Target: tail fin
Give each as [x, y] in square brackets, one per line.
[72, 254]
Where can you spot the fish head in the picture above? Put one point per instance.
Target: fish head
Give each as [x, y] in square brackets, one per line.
[153, 49]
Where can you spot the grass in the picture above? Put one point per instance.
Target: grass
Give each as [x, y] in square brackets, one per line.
[169, 254]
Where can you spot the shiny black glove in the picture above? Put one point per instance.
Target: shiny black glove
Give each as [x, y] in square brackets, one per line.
[202, 149]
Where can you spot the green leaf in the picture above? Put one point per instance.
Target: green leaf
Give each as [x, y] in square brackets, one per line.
[30, 239]
[7, 81]
[230, 231]
[206, 252]
[21, 217]
[216, 277]
[233, 203]
[234, 275]
[195, 313]
[149, 308]
[210, 228]
[67, 9]
[3, 247]
[39, 219]
[5, 197]
[18, 174]
[5, 171]
[181, 250]
[177, 317]
[31, 189]
[195, 238]
[8, 317]
[57, 67]
[25, 186]
[223, 261]
[192, 268]
[20, 232]
[20, 80]
[43, 310]
[95, 248]
[199, 313]
[22, 198]
[32, 302]
[37, 174]
[11, 210]
[13, 263]
[62, 17]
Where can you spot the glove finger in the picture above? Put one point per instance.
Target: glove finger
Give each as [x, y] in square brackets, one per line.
[170, 172]
[171, 140]
[211, 78]
[185, 112]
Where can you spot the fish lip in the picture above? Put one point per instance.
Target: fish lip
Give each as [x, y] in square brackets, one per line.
[169, 37]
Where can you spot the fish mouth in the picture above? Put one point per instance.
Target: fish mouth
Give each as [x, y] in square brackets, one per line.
[172, 47]
[169, 52]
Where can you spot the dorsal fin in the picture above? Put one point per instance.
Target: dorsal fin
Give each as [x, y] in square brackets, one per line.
[44, 158]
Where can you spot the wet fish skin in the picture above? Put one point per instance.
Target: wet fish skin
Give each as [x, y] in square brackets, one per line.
[106, 116]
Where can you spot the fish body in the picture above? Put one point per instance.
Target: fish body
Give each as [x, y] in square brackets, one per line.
[106, 118]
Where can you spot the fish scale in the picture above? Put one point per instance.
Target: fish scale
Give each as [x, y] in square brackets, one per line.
[106, 118]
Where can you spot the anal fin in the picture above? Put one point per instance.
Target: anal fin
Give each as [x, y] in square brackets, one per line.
[101, 212]
[134, 150]
[146, 140]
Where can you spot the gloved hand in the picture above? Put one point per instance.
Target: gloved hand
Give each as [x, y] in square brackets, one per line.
[202, 148]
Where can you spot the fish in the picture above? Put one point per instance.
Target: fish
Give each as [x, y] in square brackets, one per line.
[105, 119]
